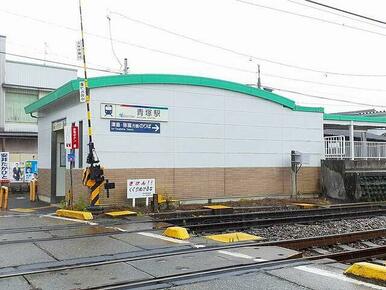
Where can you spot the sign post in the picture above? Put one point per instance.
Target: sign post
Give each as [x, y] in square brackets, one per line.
[140, 188]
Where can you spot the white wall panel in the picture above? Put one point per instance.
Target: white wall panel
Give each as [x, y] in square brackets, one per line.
[249, 132]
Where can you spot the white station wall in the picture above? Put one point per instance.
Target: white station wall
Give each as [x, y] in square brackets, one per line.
[207, 127]
[69, 109]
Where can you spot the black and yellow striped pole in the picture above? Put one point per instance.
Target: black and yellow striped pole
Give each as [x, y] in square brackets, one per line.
[93, 176]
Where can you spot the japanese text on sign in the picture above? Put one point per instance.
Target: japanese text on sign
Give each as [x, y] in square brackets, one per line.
[71, 137]
[4, 166]
[140, 188]
[133, 112]
[82, 92]
[134, 127]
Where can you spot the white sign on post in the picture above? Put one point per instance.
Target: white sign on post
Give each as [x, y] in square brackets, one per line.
[140, 188]
[79, 50]
[82, 92]
[4, 167]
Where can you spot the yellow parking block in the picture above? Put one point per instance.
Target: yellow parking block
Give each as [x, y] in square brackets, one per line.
[80, 215]
[233, 237]
[177, 233]
[120, 213]
[218, 206]
[368, 271]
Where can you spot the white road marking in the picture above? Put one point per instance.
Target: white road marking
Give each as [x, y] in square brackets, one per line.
[14, 215]
[116, 228]
[240, 255]
[199, 246]
[69, 219]
[163, 238]
[337, 276]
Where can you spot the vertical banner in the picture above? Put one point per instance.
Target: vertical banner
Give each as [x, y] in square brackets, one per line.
[71, 137]
[4, 166]
[75, 137]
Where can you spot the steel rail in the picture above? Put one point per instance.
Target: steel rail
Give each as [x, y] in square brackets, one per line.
[342, 256]
[242, 224]
[293, 244]
[273, 214]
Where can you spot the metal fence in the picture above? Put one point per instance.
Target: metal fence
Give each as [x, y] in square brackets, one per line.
[336, 147]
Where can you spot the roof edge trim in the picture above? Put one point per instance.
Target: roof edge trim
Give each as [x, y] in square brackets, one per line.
[119, 80]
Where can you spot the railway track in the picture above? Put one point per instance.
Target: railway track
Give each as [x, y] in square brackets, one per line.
[195, 224]
[376, 251]
[344, 256]
[235, 221]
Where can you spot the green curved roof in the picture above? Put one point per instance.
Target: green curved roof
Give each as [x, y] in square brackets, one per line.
[121, 80]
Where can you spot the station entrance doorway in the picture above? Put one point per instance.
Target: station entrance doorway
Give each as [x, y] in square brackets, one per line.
[58, 161]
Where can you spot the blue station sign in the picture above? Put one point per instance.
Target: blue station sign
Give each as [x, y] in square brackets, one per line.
[135, 127]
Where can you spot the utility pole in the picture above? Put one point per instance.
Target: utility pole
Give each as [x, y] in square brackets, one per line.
[258, 77]
[125, 66]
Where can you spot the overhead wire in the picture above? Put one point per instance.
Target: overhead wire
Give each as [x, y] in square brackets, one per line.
[337, 14]
[243, 54]
[271, 87]
[58, 62]
[199, 60]
[346, 11]
[313, 18]
[325, 98]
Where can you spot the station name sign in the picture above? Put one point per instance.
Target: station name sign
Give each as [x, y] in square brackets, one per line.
[134, 112]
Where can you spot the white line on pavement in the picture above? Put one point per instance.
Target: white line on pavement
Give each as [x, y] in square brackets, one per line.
[163, 238]
[337, 276]
[69, 219]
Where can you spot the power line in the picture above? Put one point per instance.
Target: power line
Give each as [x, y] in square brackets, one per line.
[192, 39]
[325, 98]
[108, 70]
[346, 11]
[311, 17]
[274, 88]
[324, 84]
[337, 14]
[58, 62]
[243, 54]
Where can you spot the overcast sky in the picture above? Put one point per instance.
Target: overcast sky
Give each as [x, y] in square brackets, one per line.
[42, 29]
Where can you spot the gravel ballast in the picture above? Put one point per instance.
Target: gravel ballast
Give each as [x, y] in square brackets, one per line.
[298, 231]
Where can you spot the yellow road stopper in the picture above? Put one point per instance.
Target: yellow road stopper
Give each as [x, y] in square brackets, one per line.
[177, 233]
[233, 237]
[80, 215]
[120, 213]
[368, 271]
[218, 206]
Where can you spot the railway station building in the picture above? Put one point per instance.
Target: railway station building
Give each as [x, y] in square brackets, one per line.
[199, 138]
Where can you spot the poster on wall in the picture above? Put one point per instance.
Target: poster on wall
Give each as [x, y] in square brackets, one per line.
[134, 112]
[30, 170]
[4, 166]
[16, 171]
